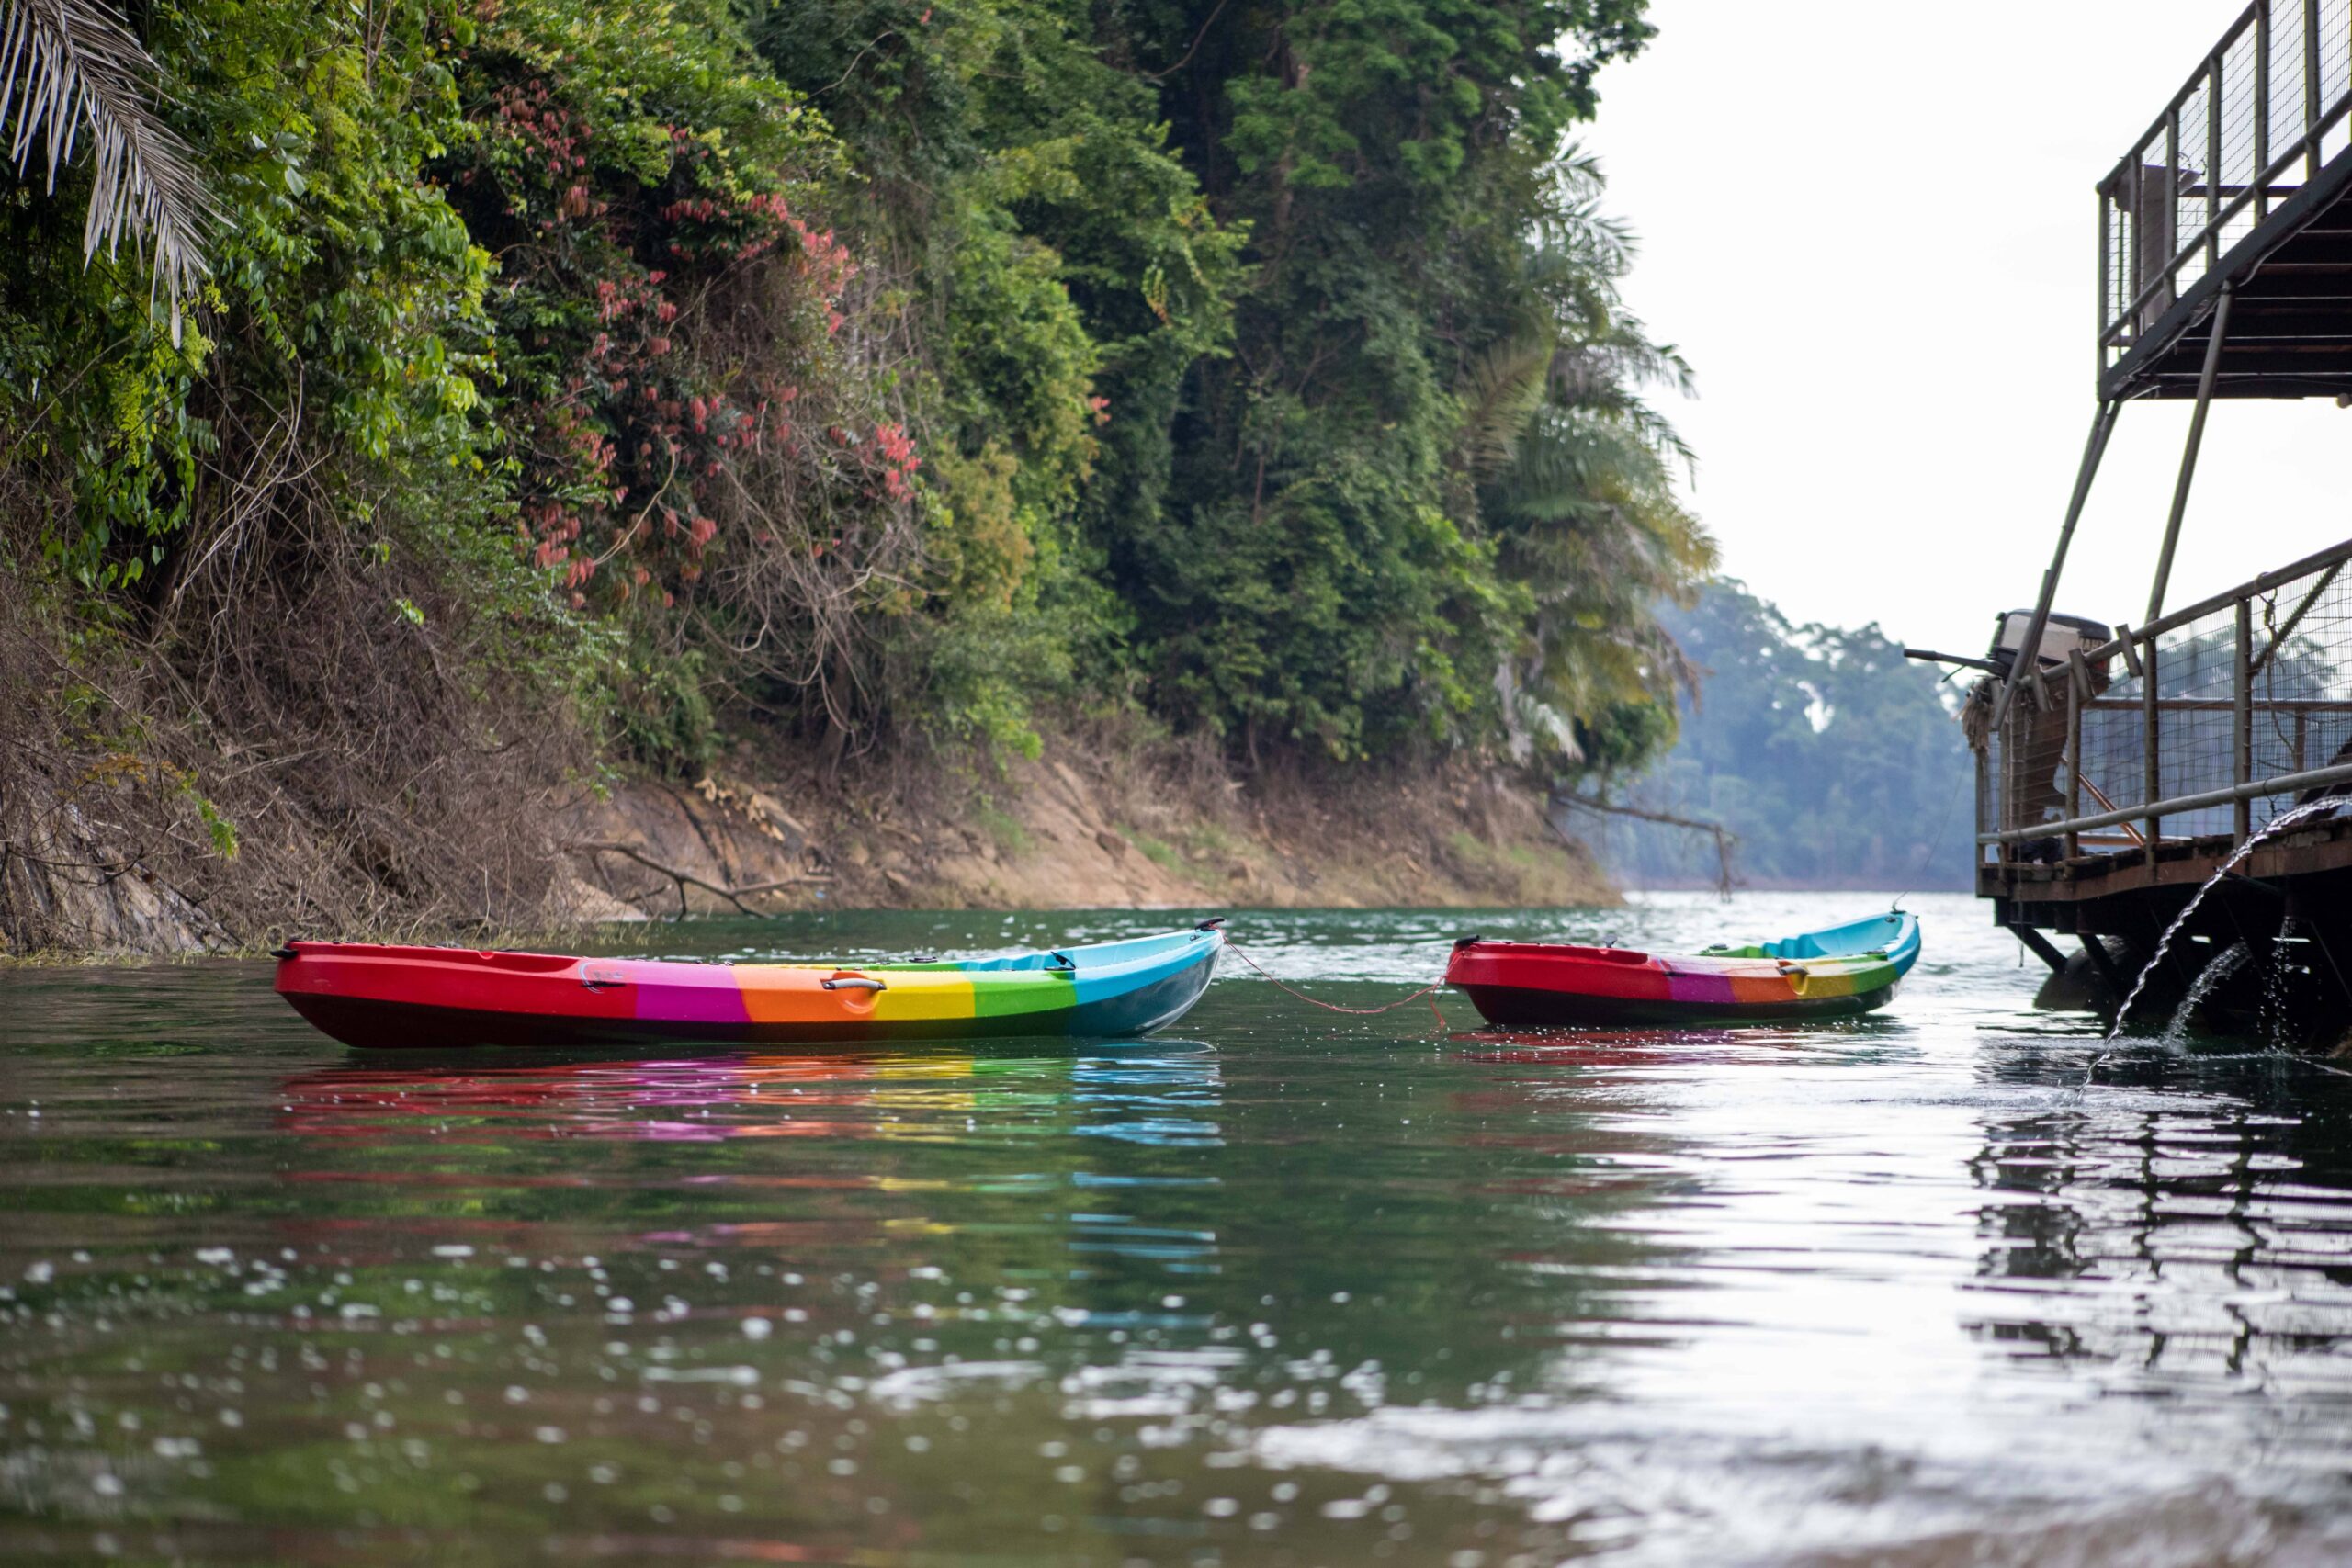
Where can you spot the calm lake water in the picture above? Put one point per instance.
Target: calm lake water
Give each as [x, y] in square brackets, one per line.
[1280, 1287]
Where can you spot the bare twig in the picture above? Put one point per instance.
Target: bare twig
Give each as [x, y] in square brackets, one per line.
[113, 868]
[1724, 838]
[734, 895]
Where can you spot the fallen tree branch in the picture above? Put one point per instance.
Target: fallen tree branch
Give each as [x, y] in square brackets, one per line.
[1724, 838]
[113, 868]
[734, 895]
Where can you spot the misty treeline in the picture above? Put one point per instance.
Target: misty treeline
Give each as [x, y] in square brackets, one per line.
[410, 411]
[1835, 761]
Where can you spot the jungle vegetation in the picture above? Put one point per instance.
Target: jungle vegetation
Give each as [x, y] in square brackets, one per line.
[408, 406]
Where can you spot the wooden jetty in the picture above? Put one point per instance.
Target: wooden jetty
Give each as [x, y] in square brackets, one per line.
[2116, 782]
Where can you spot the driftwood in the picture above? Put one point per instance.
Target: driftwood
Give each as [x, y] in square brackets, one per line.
[1724, 838]
[734, 895]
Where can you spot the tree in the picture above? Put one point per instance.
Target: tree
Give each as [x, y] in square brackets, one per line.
[1835, 761]
[1325, 573]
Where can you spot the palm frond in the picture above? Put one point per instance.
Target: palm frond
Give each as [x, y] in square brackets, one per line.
[70, 69]
[1499, 392]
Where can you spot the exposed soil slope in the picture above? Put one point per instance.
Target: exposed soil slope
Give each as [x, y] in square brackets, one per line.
[1092, 824]
[1072, 831]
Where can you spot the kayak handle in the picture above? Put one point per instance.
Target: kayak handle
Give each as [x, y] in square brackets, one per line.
[854, 983]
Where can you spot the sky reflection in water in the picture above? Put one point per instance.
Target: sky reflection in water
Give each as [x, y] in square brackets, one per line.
[1290, 1287]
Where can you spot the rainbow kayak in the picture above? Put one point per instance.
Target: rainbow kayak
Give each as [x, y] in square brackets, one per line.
[1834, 972]
[438, 998]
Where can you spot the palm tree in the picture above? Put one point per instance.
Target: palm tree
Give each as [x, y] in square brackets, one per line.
[1574, 474]
[70, 69]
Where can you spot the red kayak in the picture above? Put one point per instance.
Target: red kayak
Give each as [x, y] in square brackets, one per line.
[1835, 972]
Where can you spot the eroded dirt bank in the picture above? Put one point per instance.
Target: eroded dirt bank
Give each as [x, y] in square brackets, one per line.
[1090, 824]
[1072, 830]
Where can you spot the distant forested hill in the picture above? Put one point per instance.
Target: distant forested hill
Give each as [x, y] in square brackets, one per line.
[1835, 761]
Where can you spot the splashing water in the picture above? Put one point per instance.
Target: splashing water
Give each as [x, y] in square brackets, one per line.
[2277, 823]
[2274, 986]
[2220, 967]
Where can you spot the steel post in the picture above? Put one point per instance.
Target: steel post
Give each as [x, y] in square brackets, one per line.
[2242, 722]
[2213, 162]
[2261, 108]
[2151, 769]
[2310, 89]
[2078, 692]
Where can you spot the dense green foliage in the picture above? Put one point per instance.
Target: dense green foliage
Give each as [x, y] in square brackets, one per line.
[863, 370]
[1835, 761]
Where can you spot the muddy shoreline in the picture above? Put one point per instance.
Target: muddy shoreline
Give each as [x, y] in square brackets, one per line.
[1083, 825]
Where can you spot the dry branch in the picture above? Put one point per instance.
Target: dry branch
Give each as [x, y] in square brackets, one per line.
[1724, 838]
[684, 879]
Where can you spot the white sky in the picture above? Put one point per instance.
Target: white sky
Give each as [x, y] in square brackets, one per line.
[1869, 227]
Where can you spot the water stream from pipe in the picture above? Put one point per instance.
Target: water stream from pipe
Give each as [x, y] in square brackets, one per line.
[2277, 825]
[2220, 967]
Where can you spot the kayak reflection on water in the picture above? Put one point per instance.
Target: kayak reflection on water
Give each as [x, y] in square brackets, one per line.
[755, 1094]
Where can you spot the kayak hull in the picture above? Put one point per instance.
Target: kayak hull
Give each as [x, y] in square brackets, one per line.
[395, 998]
[1837, 972]
[1508, 1006]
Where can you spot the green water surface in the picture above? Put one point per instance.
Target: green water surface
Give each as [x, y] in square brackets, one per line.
[1280, 1286]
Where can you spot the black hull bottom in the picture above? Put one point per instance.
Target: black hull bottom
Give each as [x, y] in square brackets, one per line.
[1508, 1006]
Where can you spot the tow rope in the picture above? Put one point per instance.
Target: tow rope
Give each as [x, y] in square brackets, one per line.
[1428, 992]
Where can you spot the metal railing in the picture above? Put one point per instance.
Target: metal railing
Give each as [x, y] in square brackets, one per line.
[2208, 721]
[2270, 105]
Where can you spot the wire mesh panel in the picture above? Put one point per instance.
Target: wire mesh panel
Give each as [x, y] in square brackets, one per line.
[2290, 76]
[2030, 769]
[2268, 106]
[2030, 777]
[2254, 688]
[2114, 744]
[2300, 689]
[2334, 54]
[2195, 718]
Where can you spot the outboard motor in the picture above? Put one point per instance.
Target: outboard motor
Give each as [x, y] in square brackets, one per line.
[2029, 792]
[2060, 636]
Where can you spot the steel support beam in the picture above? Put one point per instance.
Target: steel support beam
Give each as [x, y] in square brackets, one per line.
[2188, 454]
[2043, 948]
[2102, 426]
[2095, 949]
